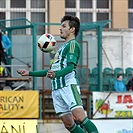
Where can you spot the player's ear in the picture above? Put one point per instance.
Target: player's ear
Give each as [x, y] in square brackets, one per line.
[72, 29]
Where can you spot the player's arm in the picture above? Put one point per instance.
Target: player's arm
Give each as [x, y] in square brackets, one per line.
[51, 74]
[40, 73]
[65, 70]
[72, 60]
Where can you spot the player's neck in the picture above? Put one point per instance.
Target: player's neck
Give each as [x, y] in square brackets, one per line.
[69, 38]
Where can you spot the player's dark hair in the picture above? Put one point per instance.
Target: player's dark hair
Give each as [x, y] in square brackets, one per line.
[73, 22]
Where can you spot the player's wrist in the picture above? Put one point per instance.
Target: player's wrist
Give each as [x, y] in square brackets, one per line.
[30, 73]
[55, 74]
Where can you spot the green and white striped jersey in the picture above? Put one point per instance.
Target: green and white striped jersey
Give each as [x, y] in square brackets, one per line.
[68, 53]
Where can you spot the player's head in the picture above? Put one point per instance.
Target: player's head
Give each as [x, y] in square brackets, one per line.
[73, 22]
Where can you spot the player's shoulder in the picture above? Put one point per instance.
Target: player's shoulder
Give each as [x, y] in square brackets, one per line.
[74, 43]
[73, 46]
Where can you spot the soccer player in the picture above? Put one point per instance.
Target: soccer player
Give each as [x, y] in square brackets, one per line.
[65, 87]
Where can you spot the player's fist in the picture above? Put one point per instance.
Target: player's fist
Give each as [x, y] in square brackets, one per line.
[50, 74]
[23, 72]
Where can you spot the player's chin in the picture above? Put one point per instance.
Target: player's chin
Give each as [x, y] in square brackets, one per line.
[62, 36]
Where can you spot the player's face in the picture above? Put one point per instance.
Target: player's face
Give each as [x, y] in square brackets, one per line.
[65, 30]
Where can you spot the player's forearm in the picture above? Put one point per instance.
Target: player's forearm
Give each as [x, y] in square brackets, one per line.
[41, 73]
[65, 71]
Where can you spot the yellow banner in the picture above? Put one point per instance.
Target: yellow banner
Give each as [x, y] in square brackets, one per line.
[18, 126]
[19, 104]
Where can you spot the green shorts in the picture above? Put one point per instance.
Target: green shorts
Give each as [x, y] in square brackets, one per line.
[67, 99]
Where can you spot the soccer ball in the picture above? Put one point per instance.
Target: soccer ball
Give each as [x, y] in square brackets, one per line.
[46, 43]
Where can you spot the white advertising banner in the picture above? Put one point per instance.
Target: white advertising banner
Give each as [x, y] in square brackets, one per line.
[114, 126]
[112, 105]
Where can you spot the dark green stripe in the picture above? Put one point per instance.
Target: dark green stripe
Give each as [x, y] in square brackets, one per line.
[63, 81]
[58, 83]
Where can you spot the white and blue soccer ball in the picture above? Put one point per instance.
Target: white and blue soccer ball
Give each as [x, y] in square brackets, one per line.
[46, 43]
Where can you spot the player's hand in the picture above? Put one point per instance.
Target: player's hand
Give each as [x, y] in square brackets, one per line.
[50, 74]
[23, 72]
